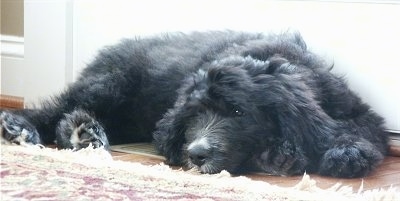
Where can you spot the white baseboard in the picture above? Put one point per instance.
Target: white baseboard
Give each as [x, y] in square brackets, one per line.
[394, 137]
[12, 46]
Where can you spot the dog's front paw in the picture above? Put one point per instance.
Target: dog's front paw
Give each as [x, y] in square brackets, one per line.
[16, 129]
[352, 161]
[283, 160]
[79, 130]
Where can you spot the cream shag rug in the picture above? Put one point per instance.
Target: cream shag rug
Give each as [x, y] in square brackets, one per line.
[35, 173]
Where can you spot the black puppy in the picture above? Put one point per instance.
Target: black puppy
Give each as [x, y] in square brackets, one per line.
[215, 101]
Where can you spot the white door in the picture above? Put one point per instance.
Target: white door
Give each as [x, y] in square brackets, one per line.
[39, 65]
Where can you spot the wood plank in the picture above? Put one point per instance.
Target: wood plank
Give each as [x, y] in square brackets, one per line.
[11, 102]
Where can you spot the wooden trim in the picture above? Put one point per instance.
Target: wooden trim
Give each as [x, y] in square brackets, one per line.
[12, 46]
[11, 102]
[394, 142]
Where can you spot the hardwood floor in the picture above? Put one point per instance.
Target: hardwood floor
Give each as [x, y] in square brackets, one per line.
[386, 175]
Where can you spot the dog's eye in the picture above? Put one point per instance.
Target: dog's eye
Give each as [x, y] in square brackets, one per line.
[237, 112]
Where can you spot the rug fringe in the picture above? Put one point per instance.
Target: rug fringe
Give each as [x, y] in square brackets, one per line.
[98, 160]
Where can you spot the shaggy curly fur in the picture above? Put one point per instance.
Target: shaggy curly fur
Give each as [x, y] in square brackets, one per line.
[215, 101]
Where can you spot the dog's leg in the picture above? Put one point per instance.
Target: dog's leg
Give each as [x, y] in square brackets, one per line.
[78, 130]
[359, 149]
[305, 133]
[350, 156]
[302, 123]
[360, 142]
[340, 146]
[283, 159]
[16, 129]
[329, 123]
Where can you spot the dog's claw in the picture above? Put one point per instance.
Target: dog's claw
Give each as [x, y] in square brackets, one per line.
[79, 130]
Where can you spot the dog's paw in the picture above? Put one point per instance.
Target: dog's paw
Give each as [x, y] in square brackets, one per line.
[15, 129]
[282, 160]
[352, 161]
[79, 130]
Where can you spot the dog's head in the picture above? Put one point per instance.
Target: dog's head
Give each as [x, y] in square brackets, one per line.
[221, 116]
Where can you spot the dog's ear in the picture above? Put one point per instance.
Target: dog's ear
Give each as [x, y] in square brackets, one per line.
[169, 136]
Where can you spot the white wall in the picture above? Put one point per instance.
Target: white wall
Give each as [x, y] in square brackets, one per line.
[361, 38]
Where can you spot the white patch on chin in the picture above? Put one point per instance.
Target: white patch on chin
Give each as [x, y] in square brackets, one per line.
[208, 166]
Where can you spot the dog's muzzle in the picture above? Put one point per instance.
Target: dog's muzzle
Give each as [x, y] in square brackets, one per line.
[199, 152]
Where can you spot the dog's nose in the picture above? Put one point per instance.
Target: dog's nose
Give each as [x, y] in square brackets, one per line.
[198, 154]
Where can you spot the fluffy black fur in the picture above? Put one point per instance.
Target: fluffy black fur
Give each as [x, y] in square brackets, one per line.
[215, 101]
